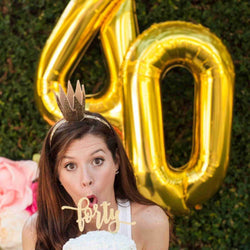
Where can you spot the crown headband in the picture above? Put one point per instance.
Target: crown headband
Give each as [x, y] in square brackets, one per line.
[72, 106]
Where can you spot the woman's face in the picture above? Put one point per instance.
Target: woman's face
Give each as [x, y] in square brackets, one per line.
[87, 169]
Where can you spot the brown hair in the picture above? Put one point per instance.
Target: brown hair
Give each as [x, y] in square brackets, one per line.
[54, 226]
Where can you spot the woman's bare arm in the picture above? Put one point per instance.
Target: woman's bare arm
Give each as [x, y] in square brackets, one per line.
[29, 233]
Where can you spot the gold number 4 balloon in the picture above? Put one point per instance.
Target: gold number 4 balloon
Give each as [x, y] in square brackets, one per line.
[132, 99]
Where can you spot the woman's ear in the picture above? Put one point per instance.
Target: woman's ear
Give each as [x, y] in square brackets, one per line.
[117, 162]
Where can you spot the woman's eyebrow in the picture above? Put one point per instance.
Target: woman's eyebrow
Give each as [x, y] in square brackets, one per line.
[68, 157]
[98, 150]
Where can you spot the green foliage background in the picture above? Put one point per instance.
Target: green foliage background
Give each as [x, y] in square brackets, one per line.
[222, 223]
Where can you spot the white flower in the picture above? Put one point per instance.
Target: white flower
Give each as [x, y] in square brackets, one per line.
[11, 224]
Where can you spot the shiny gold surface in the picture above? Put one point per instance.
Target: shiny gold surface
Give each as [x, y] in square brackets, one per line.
[155, 51]
[68, 42]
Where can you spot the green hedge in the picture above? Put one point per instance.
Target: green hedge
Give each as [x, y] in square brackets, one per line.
[222, 223]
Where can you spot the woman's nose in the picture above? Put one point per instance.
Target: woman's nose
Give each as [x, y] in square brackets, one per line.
[86, 179]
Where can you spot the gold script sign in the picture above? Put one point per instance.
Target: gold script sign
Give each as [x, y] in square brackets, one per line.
[85, 214]
[131, 100]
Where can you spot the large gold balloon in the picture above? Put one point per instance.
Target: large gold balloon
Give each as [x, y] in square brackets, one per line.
[76, 28]
[156, 51]
[132, 103]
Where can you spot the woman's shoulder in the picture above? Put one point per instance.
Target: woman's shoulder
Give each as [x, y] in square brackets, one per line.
[152, 226]
[29, 233]
[30, 224]
[152, 215]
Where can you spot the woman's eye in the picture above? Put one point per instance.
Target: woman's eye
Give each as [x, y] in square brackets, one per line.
[70, 166]
[98, 161]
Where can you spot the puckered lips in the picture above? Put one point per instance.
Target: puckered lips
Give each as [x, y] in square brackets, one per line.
[92, 200]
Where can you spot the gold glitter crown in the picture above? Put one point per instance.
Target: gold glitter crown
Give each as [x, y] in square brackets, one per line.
[72, 106]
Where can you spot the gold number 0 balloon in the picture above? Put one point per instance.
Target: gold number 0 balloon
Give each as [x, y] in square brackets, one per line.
[191, 46]
[156, 51]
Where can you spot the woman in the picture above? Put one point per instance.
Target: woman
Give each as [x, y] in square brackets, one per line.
[82, 156]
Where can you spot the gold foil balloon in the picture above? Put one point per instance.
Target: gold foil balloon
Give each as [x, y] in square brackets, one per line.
[78, 25]
[156, 51]
[132, 103]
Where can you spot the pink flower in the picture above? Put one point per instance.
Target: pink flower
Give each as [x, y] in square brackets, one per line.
[33, 207]
[15, 184]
